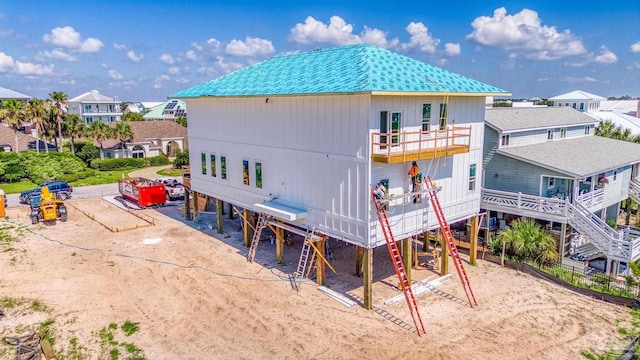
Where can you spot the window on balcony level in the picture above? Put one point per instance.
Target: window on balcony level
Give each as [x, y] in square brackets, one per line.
[426, 117]
[472, 177]
[550, 134]
[587, 130]
[563, 133]
[505, 140]
[443, 116]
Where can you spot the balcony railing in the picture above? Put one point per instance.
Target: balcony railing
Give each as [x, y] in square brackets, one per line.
[419, 145]
[592, 200]
[101, 111]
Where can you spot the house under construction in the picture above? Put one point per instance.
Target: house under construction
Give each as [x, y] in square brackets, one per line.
[301, 139]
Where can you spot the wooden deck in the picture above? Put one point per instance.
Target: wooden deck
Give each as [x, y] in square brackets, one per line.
[394, 157]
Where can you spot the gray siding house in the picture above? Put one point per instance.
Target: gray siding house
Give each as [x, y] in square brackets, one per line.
[546, 163]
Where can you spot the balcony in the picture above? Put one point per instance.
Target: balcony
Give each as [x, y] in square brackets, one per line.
[405, 146]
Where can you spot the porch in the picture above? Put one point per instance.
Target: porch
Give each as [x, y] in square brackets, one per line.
[405, 146]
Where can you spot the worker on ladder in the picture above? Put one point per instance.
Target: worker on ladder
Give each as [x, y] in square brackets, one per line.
[413, 173]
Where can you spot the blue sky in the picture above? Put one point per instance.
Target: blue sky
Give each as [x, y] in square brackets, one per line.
[147, 50]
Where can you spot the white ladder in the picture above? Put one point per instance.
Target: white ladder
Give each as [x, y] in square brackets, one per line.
[262, 222]
[304, 255]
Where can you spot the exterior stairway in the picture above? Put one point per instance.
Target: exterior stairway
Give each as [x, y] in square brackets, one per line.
[621, 245]
[634, 190]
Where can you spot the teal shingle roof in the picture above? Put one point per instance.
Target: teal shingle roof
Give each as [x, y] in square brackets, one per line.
[347, 69]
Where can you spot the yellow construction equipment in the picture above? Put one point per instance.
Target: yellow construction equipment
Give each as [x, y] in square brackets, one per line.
[46, 207]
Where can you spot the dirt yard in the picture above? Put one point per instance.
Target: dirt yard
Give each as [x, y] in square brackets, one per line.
[194, 296]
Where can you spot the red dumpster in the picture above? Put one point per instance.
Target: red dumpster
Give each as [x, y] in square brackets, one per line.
[143, 192]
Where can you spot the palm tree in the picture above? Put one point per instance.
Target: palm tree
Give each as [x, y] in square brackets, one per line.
[73, 128]
[13, 114]
[123, 132]
[181, 120]
[60, 102]
[525, 239]
[606, 129]
[100, 132]
[36, 111]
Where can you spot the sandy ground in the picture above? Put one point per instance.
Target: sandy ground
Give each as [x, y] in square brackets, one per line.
[196, 297]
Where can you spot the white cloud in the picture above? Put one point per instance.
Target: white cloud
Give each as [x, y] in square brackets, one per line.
[119, 46]
[25, 68]
[524, 31]
[182, 80]
[114, 75]
[69, 38]
[58, 54]
[451, 49]
[584, 79]
[250, 47]
[420, 38]
[635, 47]
[605, 57]
[197, 46]
[213, 44]
[630, 67]
[337, 32]
[378, 38]
[6, 62]
[167, 59]
[134, 57]
[174, 70]
[191, 55]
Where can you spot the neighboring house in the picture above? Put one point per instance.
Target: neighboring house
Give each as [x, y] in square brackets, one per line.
[12, 94]
[93, 106]
[303, 137]
[579, 100]
[146, 106]
[170, 110]
[151, 138]
[25, 142]
[546, 163]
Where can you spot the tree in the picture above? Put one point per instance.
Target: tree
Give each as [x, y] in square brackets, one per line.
[131, 116]
[606, 129]
[13, 114]
[123, 132]
[59, 100]
[526, 240]
[37, 111]
[181, 120]
[100, 132]
[124, 106]
[73, 128]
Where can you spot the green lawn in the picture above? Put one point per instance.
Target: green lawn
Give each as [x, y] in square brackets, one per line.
[102, 177]
[170, 172]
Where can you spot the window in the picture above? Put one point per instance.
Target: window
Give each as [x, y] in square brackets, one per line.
[89, 119]
[615, 174]
[574, 105]
[137, 152]
[550, 134]
[472, 177]
[87, 108]
[563, 133]
[551, 183]
[587, 130]
[443, 116]
[203, 157]
[390, 123]
[426, 117]
[566, 104]
[581, 106]
[259, 175]
[505, 140]
[223, 167]
[245, 172]
[112, 119]
[111, 108]
[213, 166]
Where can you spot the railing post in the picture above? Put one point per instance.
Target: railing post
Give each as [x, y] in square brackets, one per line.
[519, 199]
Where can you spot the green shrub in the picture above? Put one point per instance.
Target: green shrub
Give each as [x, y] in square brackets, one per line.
[117, 164]
[159, 160]
[87, 152]
[182, 158]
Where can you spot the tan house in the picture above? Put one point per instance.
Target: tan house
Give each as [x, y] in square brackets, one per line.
[151, 138]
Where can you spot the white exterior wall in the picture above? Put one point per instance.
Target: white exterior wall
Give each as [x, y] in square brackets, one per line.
[313, 151]
[315, 155]
[451, 173]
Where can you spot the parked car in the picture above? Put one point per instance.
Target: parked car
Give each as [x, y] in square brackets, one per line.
[62, 189]
[175, 190]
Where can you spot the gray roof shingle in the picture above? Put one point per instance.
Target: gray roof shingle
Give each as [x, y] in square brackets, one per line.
[518, 119]
[578, 157]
